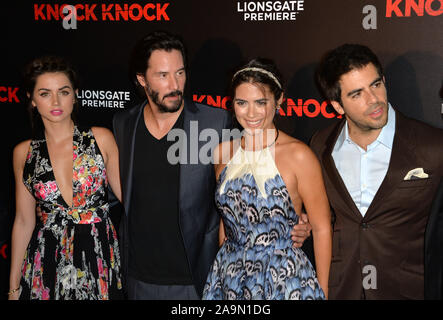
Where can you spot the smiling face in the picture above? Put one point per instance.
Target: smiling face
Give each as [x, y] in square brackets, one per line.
[254, 107]
[164, 80]
[54, 97]
[364, 100]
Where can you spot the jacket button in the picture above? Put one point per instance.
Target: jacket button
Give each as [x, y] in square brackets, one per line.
[364, 225]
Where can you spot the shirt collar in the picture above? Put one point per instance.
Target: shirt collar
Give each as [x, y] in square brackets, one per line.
[386, 136]
[343, 136]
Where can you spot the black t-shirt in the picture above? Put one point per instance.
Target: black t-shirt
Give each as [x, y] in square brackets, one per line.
[156, 251]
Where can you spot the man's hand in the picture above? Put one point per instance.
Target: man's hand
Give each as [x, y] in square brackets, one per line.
[301, 231]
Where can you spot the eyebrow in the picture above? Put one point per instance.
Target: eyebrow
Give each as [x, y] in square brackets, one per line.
[360, 89]
[257, 100]
[44, 89]
[181, 69]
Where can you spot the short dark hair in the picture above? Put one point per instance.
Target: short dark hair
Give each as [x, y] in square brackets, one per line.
[339, 61]
[157, 40]
[38, 67]
[252, 76]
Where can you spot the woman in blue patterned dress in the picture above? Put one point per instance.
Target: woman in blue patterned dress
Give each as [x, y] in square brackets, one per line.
[264, 179]
[72, 253]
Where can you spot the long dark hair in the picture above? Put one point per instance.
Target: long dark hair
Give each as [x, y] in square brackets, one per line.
[38, 67]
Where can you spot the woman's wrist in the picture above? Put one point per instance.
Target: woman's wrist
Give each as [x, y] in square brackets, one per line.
[13, 290]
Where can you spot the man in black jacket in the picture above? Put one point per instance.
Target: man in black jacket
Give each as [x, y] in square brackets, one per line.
[169, 234]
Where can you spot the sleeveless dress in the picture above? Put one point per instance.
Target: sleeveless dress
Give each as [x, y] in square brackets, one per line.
[73, 254]
[257, 261]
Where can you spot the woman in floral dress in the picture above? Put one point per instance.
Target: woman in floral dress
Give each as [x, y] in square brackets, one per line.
[72, 252]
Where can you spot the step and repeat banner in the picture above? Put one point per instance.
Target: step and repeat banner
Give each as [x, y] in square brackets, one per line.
[97, 36]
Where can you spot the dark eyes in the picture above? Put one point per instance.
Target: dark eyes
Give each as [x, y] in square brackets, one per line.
[179, 73]
[261, 103]
[377, 84]
[63, 93]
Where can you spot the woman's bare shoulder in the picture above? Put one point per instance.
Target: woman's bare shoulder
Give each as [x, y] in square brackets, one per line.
[102, 133]
[295, 149]
[22, 147]
[225, 151]
[20, 152]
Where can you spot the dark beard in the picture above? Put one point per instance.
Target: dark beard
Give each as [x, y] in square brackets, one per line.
[161, 106]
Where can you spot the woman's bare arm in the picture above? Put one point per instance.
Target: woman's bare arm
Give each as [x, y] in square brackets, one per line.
[312, 191]
[108, 147]
[24, 222]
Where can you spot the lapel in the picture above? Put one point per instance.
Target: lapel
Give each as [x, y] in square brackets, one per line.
[402, 160]
[130, 128]
[190, 113]
[334, 177]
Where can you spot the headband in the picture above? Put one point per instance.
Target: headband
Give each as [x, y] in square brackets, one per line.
[269, 74]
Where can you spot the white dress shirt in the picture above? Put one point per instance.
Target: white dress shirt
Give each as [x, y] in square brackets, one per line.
[363, 171]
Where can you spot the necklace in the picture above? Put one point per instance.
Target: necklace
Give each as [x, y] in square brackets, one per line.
[275, 140]
[269, 145]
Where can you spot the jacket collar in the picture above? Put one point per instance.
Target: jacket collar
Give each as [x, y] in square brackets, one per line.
[402, 158]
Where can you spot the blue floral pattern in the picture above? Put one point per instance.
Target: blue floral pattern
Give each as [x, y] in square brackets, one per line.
[257, 261]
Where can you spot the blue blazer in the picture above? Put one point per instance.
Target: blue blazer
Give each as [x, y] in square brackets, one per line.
[198, 216]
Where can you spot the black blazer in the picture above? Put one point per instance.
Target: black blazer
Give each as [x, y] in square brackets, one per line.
[434, 249]
[198, 217]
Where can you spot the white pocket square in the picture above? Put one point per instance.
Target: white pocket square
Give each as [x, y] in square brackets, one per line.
[416, 173]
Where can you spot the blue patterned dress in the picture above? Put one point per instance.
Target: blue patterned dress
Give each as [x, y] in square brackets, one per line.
[257, 261]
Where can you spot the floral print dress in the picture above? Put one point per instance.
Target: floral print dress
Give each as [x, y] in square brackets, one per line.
[257, 261]
[73, 254]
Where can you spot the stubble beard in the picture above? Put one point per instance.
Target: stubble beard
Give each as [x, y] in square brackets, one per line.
[162, 107]
[366, 126]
